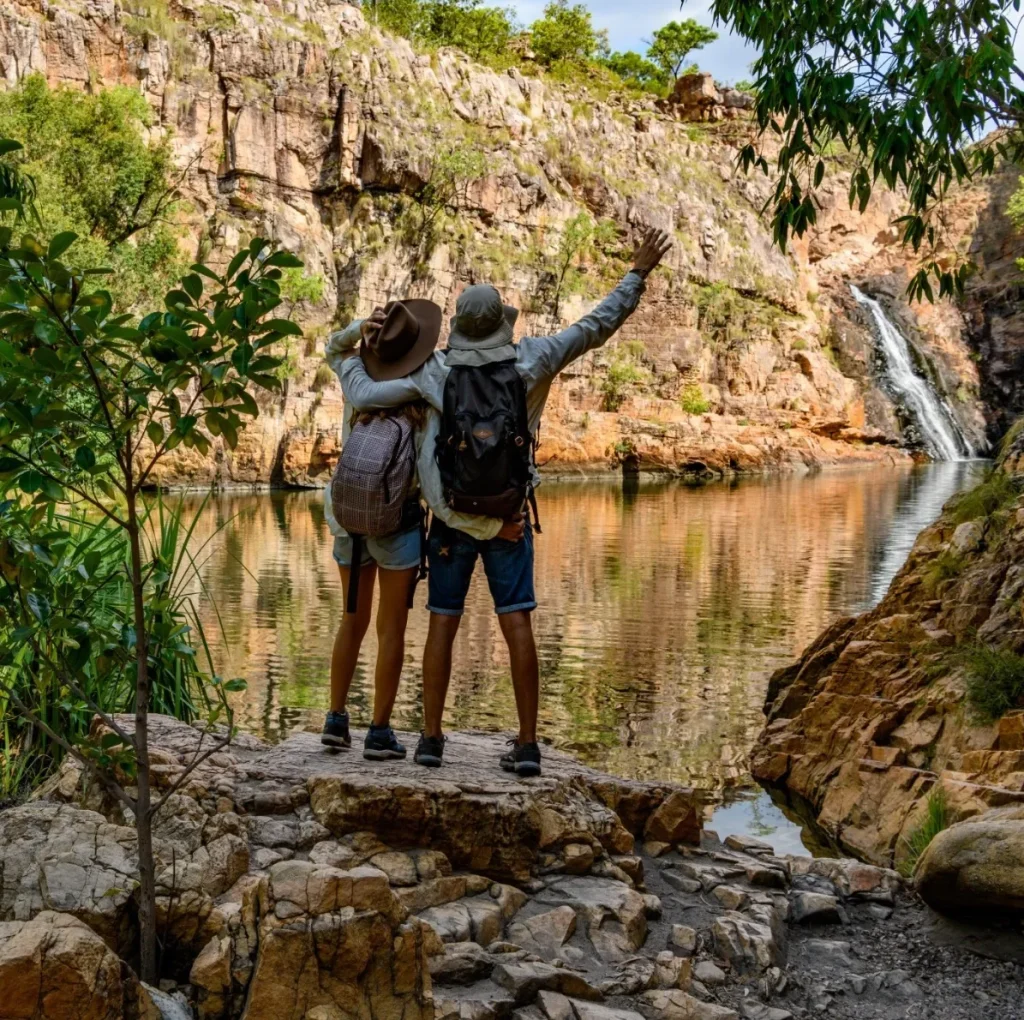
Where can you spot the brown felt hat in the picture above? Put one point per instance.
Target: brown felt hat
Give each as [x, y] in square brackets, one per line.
[404, 342]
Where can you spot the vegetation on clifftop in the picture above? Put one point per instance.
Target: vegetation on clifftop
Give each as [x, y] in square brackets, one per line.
[96, 176]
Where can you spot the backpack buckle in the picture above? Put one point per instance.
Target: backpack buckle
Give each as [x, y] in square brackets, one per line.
[520, 440]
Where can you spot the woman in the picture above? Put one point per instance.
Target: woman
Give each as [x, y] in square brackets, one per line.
[396, 341]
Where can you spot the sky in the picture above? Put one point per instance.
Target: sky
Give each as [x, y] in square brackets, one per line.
[630, 24]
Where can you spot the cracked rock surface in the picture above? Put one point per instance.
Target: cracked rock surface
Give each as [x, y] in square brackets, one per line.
[295, 883]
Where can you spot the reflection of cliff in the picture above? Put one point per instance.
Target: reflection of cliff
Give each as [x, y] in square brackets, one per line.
[313, 128]
[662, 613]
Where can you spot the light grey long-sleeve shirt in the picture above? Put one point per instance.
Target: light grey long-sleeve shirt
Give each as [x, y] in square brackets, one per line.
[538, 360]
[341, 350]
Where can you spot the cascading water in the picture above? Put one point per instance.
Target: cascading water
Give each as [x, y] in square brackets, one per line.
[938, 428]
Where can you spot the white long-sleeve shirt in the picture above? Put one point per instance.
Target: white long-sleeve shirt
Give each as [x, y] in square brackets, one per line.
[538, 360]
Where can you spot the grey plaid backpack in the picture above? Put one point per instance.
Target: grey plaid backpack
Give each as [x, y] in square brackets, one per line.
[370, 487]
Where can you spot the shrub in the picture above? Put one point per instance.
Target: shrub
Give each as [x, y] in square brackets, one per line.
[935, 820]
[799, 344]
[482, 32]
[995, 680]
[623, 373]
[693, 400]
[944, 567]
[565, 33]
[997, 491]
[97, 177]
[323, 378]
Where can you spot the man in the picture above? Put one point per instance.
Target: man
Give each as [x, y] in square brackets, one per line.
[481, 335]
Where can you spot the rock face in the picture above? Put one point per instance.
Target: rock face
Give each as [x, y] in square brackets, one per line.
[871, 722]
[287, 892]
[53, 967]
[314, 128]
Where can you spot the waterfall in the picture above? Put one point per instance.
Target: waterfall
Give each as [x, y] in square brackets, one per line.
[939, 431]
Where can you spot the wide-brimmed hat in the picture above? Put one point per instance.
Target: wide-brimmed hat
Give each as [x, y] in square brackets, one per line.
[481, 322]
[404, 341]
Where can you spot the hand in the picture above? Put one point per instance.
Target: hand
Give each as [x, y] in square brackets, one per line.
[651, 251]
[370, 325]
[512, 529]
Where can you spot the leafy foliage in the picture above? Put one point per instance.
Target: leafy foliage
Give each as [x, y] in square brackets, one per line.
[482, 31]
[566, 33]
[90, 401]
[995, 680]
[693, 401]
[674, 42]
[576, 244]
[96, 176]
[625, 372]
[636, 70]
[909, 88]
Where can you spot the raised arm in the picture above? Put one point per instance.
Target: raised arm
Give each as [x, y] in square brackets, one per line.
[426, 383]
[544, 357]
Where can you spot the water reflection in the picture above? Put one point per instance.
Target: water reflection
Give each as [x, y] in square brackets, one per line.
[662, 613]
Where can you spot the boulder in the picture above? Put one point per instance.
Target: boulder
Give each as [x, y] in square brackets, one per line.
[58, 857]
[615, 915]
[814, 908]
[546, 933]
[54, 967]
[976, 865]
[749, 946]
[675, 1004]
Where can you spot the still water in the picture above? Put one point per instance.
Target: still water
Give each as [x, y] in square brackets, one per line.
[663, 611]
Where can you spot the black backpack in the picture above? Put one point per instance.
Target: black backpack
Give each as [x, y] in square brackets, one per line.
[485, 449]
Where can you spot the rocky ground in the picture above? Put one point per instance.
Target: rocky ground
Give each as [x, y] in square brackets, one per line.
[297, 883]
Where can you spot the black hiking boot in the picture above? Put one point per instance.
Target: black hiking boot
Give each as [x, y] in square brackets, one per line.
[381, 744]
[336, 732]
[429, 751]
[522, 759]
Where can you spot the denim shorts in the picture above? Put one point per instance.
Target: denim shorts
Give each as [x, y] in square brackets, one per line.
[392, 552]
[508, 566]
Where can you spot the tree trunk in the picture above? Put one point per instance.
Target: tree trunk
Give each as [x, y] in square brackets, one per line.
[143, 813]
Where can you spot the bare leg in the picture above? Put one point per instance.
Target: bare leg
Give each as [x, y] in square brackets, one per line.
[437, 670]
[517, 629]
[392, 617]
[350, 635]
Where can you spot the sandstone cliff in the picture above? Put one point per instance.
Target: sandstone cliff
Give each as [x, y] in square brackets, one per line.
[923, 696]
[305, 124]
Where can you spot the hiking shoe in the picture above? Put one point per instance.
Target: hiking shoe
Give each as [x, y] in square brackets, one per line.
[429, 751]
[522, 759]
[336, 732]
[381, 744]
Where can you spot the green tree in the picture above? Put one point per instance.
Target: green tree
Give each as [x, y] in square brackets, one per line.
[577, 243]
[910, 88]
[96, 176]
[635, 70]
[481, 31]
[565, 33]
[674, 42]
[90, 402]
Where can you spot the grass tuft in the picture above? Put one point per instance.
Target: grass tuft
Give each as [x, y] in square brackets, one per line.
[935, 820]
[995, 680]
[997, 491]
